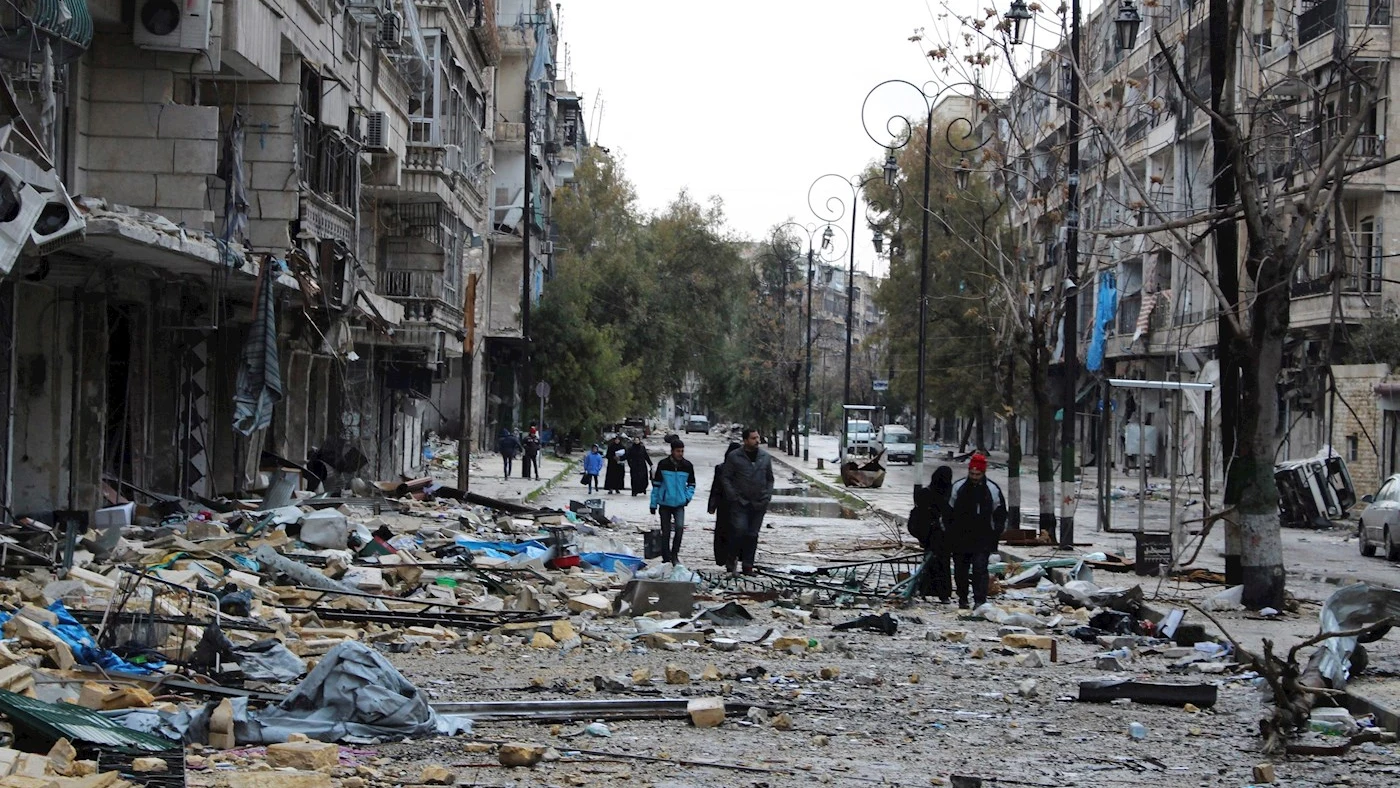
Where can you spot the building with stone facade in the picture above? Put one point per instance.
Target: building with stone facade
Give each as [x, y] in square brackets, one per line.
[284, 220]
[1146, 160]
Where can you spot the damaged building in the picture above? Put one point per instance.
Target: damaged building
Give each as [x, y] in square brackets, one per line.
[264, 229]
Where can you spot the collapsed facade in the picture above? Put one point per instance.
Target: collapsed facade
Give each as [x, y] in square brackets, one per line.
[284, 217]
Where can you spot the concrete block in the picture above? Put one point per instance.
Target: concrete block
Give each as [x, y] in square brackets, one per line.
[706, 712]
[519, 754]
[197, 156]
[269, 235]
[644, 596]
[281, 94]
[126, 83]
[117, 154]
[157, 85]
[189, 122]
[124, 119]
[1028, 641]
[304, 755]
[271, 176]
[272, 145]
[182, 191]
[284, 205]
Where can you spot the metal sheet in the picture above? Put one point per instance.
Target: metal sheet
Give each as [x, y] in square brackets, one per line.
[55, 720]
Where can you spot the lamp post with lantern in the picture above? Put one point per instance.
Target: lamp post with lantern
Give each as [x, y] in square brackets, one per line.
[1126, 25]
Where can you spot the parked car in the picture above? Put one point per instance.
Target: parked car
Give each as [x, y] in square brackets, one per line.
[697, 423]
[1379, 524]
[898, 443]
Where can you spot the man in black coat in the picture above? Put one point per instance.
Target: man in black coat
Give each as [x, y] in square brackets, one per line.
[976, 519]
[748, 487]
[928, 523]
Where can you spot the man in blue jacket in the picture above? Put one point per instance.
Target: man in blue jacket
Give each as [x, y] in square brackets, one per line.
[672, 487]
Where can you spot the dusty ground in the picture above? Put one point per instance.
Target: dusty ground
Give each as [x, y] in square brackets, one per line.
[901, 710]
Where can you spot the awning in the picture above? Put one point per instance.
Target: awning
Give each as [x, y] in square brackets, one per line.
[64, 24]
[377, 306]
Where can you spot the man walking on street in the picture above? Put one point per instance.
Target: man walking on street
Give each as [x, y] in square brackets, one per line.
[672, 487]
[975, 524]
[531, 465]
[748, 486]
[508, 446]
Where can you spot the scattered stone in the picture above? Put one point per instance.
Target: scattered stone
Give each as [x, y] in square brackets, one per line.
[348, 782]
[955, 635]
[562, 630]
[149, 765]
[757, 715]
[724, 644]
[821, 740]
[1028, 641]
[1031, 659]
[710, 673]
[551, 755]
[306, 756]
[1264, 773]
[541, 640]
[868, 680]
[1108, 663]
[478, 747]
[830, 672]
[782, 721]
[62, 755]
[590, 603]
[793, 643]
[1190, 708]
[437, 774]
[1027, 689]
[706, 712]
[914, 678]
[977, 653]
[519, 754]
[675, 674]
[641, 676]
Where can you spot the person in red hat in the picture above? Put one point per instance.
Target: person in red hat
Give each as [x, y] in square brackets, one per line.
[975, 524]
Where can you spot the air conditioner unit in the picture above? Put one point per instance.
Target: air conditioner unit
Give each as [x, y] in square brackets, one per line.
[19, 209]
[452, 158]
[58, 222]
[377, 131]
[390, 35]
[172, 25]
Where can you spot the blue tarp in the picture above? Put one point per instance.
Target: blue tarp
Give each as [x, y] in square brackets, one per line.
[608, 561]
[84, 647]
[1105, 312]
[532, 549]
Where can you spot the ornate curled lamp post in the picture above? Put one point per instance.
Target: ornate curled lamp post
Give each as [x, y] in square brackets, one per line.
[898, 132]
[833, 209]
[1125, 25]
[820, 248]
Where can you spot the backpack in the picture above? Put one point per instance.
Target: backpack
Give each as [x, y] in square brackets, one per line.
[919, 524]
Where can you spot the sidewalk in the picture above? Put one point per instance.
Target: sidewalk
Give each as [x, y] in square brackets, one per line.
[486, 476]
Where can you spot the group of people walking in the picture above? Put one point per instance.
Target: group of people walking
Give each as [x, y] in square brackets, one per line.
[958, 523]
[527, 446]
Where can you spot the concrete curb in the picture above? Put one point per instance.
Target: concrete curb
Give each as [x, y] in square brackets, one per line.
[1386, 716]
[532, 496]
[838, 492]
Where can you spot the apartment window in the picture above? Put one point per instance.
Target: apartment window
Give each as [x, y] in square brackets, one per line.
[449, 110]
[350, 36]
[327, 159]
[1353, 448]
[1370, 259]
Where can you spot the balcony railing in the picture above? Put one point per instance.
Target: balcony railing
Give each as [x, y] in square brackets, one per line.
[1362, 271]
[1319, 18]
[328, 162]
[423, 294]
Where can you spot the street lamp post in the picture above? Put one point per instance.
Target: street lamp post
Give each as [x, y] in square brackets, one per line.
[827, 233]
[1126, 25]
[833, 209]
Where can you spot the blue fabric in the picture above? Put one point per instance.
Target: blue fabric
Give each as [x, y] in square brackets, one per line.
[592, 463]
[1105, 312]
[501, 549]
[609, 561]
[84, 648]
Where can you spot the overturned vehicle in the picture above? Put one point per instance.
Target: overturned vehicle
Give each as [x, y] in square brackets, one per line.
[1313, 493]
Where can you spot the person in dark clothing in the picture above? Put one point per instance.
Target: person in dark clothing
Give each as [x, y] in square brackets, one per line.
[672, 487]
[718, 506]
[639, 462]
[976, 519]
[748, 486]
[509, 447]
[617, 466]
[531, 463]
[931, 512]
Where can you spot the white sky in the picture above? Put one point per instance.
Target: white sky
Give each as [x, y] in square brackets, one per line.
[748, 101]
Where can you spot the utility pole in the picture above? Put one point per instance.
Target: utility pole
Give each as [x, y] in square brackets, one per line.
[807, 391]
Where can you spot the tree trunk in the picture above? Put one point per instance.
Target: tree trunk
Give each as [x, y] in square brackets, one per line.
[1261, 561]
[1226, 243]
[1013, 448]
[981, 430]
[966, 434]
[1046, 444]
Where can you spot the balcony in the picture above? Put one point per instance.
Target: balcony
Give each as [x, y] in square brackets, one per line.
[424, 296]
[1362, 271]
[1319, 18]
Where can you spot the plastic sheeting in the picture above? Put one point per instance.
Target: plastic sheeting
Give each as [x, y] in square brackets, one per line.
[84, 647]
[1105, 312]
